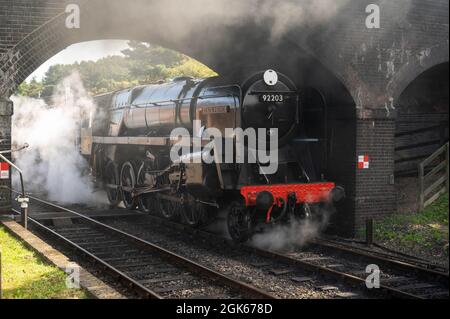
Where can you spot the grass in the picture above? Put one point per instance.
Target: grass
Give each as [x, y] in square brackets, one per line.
[26, 276]
[424, 230]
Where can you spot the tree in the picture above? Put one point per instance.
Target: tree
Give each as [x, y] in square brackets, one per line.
[57, 72]
[149, 63]
[33, 89]
[142, 63]
[192, 68]
[141, 52]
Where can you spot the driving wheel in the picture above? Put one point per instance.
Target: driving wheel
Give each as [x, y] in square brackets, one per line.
[127, 183]
[112, 183]
[146, 202]
[239, 222]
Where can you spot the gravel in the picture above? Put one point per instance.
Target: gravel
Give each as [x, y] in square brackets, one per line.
[268, 275]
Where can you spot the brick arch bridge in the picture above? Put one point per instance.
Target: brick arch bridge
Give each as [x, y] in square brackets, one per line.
[361, 71]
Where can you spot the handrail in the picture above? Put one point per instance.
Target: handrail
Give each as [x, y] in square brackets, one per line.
[16, 168]
[440, 183]
[411, 158]
[433, 156]
[22, 199]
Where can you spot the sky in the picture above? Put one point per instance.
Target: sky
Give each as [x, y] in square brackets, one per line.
[84, 51]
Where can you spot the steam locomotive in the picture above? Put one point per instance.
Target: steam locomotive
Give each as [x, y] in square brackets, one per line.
[128, 142]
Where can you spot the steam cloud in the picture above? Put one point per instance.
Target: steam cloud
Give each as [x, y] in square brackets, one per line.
[281, 16]
[52, 163]
[187, 16]
[296, 233]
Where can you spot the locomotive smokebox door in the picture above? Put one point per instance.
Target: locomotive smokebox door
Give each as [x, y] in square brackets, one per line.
[270, 100]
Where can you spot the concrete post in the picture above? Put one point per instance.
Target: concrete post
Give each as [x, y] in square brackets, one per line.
[6, 111]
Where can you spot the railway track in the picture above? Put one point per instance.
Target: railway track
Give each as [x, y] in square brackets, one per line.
[350, 267]
[380, 251]
[398, 278]
[323, 259]
[148, 270]
[392, 259]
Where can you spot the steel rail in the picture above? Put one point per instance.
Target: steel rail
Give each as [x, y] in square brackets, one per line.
[213, 275]
[141, 290]
[383, 290]
[334, 274]
[385, 259]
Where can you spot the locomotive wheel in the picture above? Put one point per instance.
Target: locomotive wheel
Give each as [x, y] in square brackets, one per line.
[169, 209]
[194, 213]
[127, 183]
[146, 202]
[111, 180]
[239, 222]
[316, 213]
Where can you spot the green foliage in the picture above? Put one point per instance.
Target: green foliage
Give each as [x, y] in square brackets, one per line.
[426, 229]
[150, 63]
[58, 72]
[151, 54]
[141, 64]
[32, 89]
[25, 275]
[190, 67]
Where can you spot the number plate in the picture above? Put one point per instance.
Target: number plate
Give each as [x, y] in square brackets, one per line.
[272, 98]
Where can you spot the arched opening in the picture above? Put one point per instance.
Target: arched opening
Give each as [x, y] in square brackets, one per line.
[329, 123]
[334, 156]
[421, 128]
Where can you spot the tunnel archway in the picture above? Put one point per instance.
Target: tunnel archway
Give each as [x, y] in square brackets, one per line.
[421, 128]
[334, 156]
[328, 117]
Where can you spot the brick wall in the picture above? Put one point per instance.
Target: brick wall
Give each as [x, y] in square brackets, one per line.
[375, 195]
[6, 110]
[18, 18]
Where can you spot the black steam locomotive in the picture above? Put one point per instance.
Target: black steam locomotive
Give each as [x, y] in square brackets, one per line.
[128, 143]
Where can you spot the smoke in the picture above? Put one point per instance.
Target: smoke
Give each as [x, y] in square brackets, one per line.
[190, 17]
[280, 16]
[292, 14]
[52, 163]
[296, 233]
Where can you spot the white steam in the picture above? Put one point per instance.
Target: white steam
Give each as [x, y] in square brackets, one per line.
[52, 164]
[291, 14]
[279, 16]
[296, 233]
